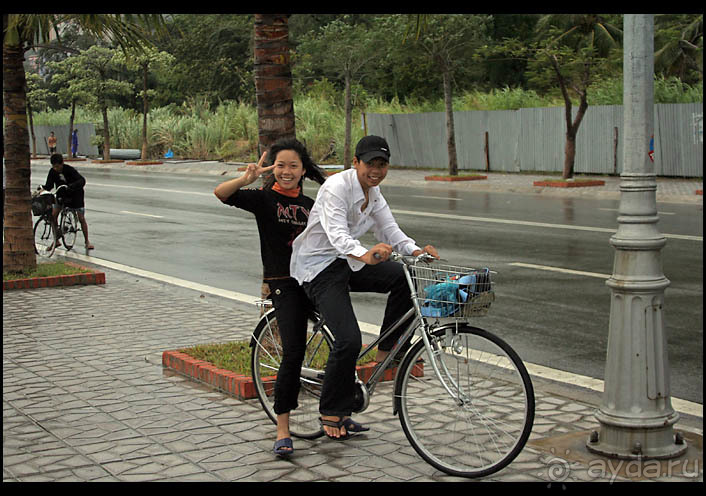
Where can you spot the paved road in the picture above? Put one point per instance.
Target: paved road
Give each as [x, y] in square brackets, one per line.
[171, 224]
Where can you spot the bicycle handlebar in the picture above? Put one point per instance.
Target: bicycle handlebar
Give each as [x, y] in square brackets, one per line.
[408, 259]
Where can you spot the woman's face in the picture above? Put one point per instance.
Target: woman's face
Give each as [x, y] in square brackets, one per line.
[288, 169]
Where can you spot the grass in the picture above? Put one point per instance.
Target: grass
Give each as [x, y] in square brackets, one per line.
[235, 356]
[45, 270]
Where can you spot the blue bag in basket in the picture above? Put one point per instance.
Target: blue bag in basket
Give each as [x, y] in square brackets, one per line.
[444, 299]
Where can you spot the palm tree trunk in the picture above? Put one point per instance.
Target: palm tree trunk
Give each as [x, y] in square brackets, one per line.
[450, 128]
[273, 79]
[18, 246]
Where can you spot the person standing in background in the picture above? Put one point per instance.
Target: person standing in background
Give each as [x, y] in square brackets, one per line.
[52, 143]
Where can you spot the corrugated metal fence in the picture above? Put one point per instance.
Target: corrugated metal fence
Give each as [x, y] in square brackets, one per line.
[533, 139]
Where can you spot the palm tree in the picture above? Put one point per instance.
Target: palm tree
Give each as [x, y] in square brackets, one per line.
[273, 79]
[679, 55]
[20, 32]
[588, 37]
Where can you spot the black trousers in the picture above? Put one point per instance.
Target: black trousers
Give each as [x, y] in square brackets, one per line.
[292, 308]
[330, 293]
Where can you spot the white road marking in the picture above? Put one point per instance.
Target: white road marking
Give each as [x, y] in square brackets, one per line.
[163, 190]
[435, 197]
[529, 223]
[560, 269]
[138, 213]
[680, 405]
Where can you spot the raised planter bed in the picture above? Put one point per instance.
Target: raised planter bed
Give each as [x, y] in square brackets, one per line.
[242, 386]
[143, 162]
[556, 183]
[455, 178]
[98, 161]
[93, 277]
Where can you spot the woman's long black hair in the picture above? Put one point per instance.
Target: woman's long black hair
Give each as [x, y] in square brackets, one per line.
[312, 171]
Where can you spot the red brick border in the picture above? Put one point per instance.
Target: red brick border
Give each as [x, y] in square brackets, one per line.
[569, 184]
[242, 386]
[699, 192]
[93, 277]
[454, 178]
[143, 162]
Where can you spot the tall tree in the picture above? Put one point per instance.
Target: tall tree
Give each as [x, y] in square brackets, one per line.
[67, 80]
[447, 39]
[681, 46]
[572, 48]
[146, 60]
[20, 32]
[101, 81]
[36, 99]
[273, 79]
[345, 52]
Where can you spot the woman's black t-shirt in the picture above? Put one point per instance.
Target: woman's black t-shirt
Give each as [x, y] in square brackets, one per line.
[280, 219]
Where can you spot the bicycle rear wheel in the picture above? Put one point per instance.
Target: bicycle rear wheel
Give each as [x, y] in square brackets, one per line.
[44, 237]
[266, 358]
[69, 227]
[483, 423]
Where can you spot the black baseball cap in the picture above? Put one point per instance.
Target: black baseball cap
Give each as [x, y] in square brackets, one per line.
[370, 147]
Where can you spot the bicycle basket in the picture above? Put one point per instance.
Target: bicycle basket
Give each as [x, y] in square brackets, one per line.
[42, 204]
[452, 291]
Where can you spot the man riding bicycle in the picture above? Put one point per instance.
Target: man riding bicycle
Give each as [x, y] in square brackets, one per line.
[329, 261]
[72, 196]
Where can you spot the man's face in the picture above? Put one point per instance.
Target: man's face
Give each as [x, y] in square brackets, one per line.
[58, 167]
[370, 174]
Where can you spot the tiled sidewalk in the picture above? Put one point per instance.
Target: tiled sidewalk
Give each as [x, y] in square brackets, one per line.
[85, 398]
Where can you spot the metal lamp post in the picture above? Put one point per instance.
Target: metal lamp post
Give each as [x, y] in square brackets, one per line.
[636, 416]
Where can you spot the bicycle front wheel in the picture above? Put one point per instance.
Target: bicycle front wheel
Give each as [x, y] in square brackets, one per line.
[69, 227]
[266, 359]
[44, 237]
[473, 417]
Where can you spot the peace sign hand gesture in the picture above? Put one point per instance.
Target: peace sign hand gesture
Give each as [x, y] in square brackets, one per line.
[254, 171]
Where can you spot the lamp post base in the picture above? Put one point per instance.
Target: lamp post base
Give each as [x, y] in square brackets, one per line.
[631, 439]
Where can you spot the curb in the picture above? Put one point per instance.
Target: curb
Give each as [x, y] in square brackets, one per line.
[93, 277]
[242, 386]
[572, 184]
[454, 178]
[143, 162]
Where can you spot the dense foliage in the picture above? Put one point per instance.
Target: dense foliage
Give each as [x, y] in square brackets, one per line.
[202, 103]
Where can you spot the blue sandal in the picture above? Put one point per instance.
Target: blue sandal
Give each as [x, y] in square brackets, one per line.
[353, 426]
[284, 447]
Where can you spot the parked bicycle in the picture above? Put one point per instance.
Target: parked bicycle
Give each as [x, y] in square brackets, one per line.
[463, 395]
[46, 239]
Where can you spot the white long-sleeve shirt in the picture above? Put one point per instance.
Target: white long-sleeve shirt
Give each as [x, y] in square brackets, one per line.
[336, 222]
